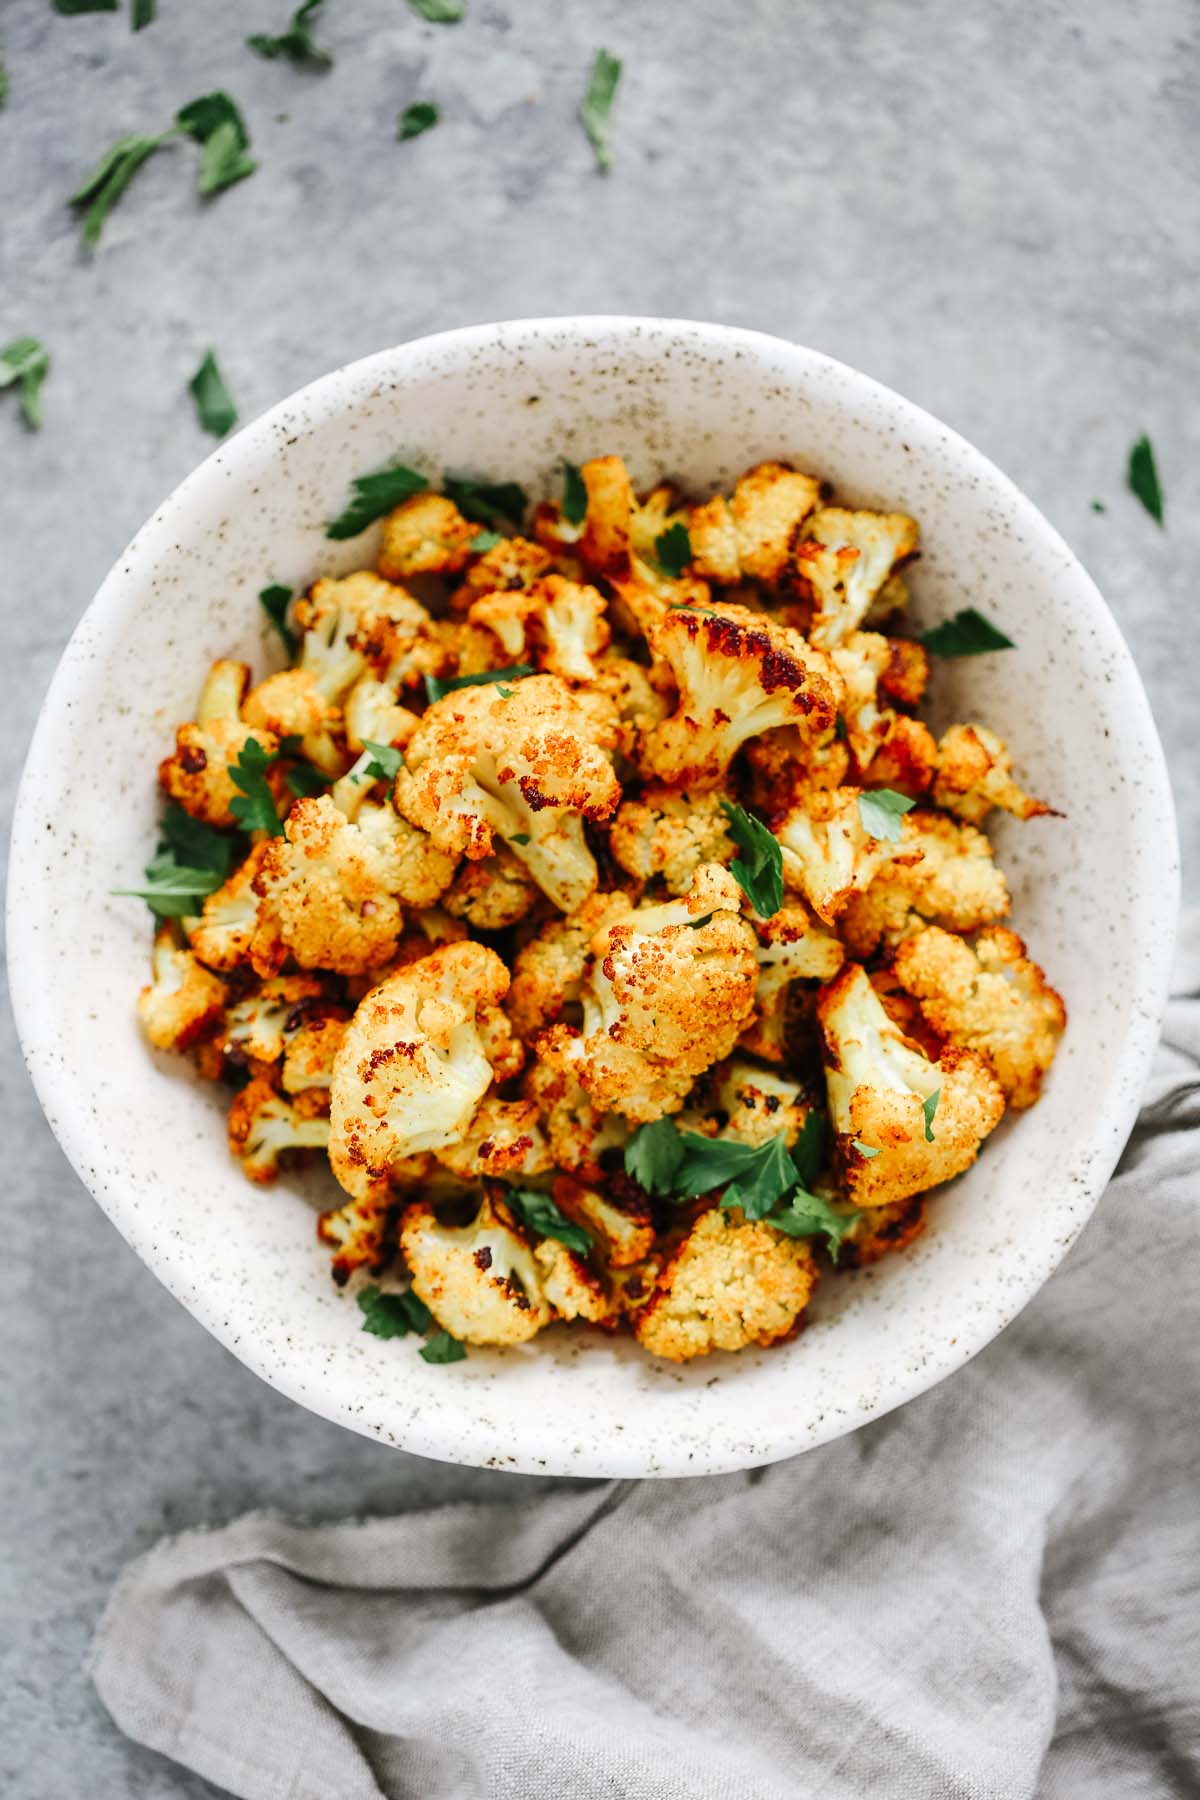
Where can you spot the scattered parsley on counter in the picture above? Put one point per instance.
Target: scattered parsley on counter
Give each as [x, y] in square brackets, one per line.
[214, 407]
[442, 1348]
[437, 687]
[375, 495]
[421, 116]
[109, 179]
[1143, 478]
[881, 810]
[673, 548]
[968, 633]
[542, 1215]
[487, 502]
[218, 127]
[26, 361]
[393, 1315]
[141, 14]
[574, 500]
[275, 601]
[3, 79]
[297, 42]
[70, 8]
[439, 12]
[597, 105]
[1099, 506]
[759, 869]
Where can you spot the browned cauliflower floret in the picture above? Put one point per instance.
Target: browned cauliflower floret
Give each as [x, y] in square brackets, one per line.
[752, 535]
[426, 535]
[791, 947]
[290, 704]
[548, 971]
[877, 1231]
[738, 674]
[481, 1281]
[504, 1138]
[605, 542]
[728, 1284]
[263, 1126]
[360, 1234]
[414, 1064]
[668, 992]
[669, 832]
[907, 675]
[361, 625]
[572, 1287]
[953, 882]
[526, 765]
[372, 711]
[882, 1096]
[743, 1101]
[257, 1025]
[974, 773]
[555, 624]
[493, 893]
[844, 561]
[310, 1047]
[225, 933]
[828, 853]
[905, 758]
[991, 998]
[641, 696]
[184, 1001]
[514, 562]
[578, 1132]
[614, 1212]
[197, 771]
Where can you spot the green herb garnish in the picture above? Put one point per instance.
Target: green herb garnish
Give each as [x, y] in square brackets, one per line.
[27, 361]
[968, 633]
[865, 1149]
[386, 761]
[393, 1315]
[1098, 506]
[597, 105]
[70, 8]
[442, 1348]
[543, 1216]
[929, 1107]
[653, 1156]
[109, 179]
[436, 686]
[520, 837]
[218, 127]
[141, 14]
[421, 116]
[881, 810]
[807, 1215]
[1143, 478]
[439, 12]
[275, 601]
[574, 500]
[375, 495]
[305, 779]
[487, 502]
[759, 869]
[808, 1152]
[485, 540]
[214, 407]
[191, 862]
[673, 548]
[254, 805]
[297, 42]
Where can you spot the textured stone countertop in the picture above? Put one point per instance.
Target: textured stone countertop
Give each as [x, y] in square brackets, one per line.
[990, 208]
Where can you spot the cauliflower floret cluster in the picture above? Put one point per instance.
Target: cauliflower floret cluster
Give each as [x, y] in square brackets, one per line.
[592, 905]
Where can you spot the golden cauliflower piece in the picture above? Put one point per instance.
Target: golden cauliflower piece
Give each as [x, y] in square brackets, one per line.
[616, 1214]
[668, 992]
[669, 832]
[739, 674]
[728, 1284]
[225, 933]
[372, 710]
[528, 769]
[503, 1139]
[310, 1046]
[878, 1231]
[572, 1287]
[751, 536]
[578, 1132]
[360, 1234]
[184, 1001]
[481, 1281]
[362, 625]
[974, 773]
[263, 1127]
[414, 1063]
[426, 535]
[905, 757]
[197, 771]
[791, 947]
[946, 875]
[258, 1024]
[514, 562]
[491, 894]
[843, 562]
[829, 855]
[743, 1101]
[290, 704]
[924, 1120]
[557, 625]
[992, 998]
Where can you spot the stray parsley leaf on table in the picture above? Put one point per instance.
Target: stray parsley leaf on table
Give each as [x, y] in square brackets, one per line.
[968, 633]
[881, 810]
[26, 361]
[141, 14]
[436, 687]
[218, 127]
[109, 179]
[673, 548]
[439, 12]
[70, 8]
[375, 495]
[393, 1315]
[597, 105]
[574, 500]
[421, 116]
[487, 502]
[542, 1215]
[297, 42]
[254, 805]
[442, 1348]
[214, 407]
[1143, 478]
[275, 601]
[758, 871]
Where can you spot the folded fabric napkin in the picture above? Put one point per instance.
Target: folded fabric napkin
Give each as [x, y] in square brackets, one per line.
[992, 1592]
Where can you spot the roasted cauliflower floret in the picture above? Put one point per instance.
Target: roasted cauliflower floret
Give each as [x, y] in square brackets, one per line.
[326, 896]
[482, 1281]
[257, 1025]
[882, 1092]
[361, 625]
[669, 832]
[641, 696]
[615, 1213]
[670, 989]
[791, 947]
[372, 711]
[526, 769]
[491, 894]
[263, 1126]
[905, 758]
[740, 1100]
[548, 971]
[504, 1138]
[953, 882]
[414, 1064]
[514, 562]
[197, 771]
[728, 1284]
[184, 1001]
[751, 535]
[290, 704]
[426, 535]
[606, 542]
[557, 625]
[579, 1133]
[573, 1288]
[842, 563]
[992, 998]
[225, 933]
[828, 853]
[360, 1234]
[974, 774]
[310, 1046]
[878, 1231]
[738, 674]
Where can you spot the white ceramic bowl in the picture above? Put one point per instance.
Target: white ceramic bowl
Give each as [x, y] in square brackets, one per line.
[1095, 893]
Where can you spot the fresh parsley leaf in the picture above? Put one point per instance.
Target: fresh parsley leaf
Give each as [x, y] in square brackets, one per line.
[297, 42]
[254, 805]
[27, 361]
[1143, 478]
[520, 837]
[218, 127]
[3, 78]
[275, 601]
[109, 179]
[839, 729]
[442, 1348]
[673, 548]
[759, 869]
[375, 495]
[194, 843]
[574, 500]
[421, 116]
[214, 408]
[769, 1175]
[653, 1155]
[439, 12]
[1099, 506]
[505, 693]
[540, 1213]
[865, 1149]
[141, 14]
[808, 1215]
[881, 810]
[437, 686]
[304, 778]
[929, 1107]
[968, 633]
[393, 1315]
[386, 761]
[173, 890]
[487, 502]
[70, 8]
[808, 1152]
[485, 540]
[597, 105]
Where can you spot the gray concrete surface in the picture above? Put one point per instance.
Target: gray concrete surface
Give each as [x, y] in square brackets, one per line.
[990, 207]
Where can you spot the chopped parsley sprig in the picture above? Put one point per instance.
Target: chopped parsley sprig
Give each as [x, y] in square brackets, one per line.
[596, 106]
[421, 116]
[968, 633]
[882, 810]
[544, 1217]
[373, 496]
[758, 871]
[575, 499]
[191, 862]
[214, 406]
[487, 502]
[1143, 478]
[26, 361]
[275, 601]
[437, 686]
[297, 42]
[673, 548]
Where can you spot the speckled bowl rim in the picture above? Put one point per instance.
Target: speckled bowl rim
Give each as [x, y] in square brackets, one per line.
[440, 1432]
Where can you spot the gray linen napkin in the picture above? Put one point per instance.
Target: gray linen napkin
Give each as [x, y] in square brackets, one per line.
[992, 1592]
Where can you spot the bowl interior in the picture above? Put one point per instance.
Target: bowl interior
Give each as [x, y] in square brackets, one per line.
[1094, 891]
